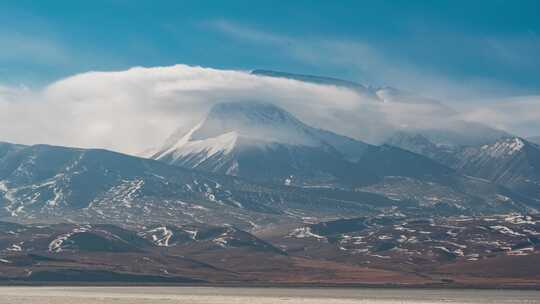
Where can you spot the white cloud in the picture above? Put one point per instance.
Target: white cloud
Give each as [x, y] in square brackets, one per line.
[518, 115]
[136, 109]
[133, 110]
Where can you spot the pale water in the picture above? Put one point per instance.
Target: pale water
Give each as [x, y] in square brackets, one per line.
[211, 295]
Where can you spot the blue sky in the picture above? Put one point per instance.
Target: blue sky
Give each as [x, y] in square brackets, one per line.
[478, 57]
[448, 48]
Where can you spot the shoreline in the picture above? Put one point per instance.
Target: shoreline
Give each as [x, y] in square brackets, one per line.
[533, 287]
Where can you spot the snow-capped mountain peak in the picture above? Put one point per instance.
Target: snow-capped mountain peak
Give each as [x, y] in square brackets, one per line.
[504, 147]
[253, 120]
[228, 125]
[243, 136]
[209, 147]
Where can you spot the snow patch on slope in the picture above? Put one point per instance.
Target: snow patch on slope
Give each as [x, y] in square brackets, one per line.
[161, 236]
[10, 199]
[57, 244]
[305, 232]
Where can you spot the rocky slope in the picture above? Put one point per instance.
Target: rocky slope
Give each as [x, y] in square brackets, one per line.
[48, 183]
[509, 161]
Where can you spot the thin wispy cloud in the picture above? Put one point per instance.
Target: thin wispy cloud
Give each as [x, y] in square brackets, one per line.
[374, 64]
[19, 46]
[247, 33]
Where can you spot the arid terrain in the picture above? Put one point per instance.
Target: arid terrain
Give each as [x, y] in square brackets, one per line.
[487, 251]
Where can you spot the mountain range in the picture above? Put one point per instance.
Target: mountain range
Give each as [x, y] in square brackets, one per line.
[510, 161]
[252, 182]
[265, 143]
[51, 184]
[249, 163]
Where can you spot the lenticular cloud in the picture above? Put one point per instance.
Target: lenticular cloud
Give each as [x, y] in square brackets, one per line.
[137, 109]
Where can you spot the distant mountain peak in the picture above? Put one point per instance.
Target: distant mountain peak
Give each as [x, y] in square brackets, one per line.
[504, 147]
[229, 126]
[251, 121]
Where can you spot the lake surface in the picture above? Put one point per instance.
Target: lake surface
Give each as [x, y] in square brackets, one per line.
[218, 295]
